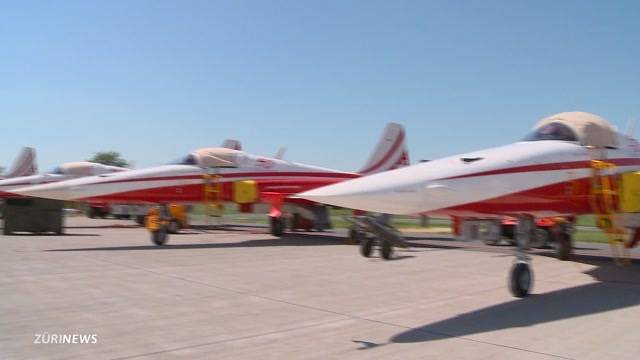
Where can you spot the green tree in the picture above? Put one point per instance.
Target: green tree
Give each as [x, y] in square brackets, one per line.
[111, 158]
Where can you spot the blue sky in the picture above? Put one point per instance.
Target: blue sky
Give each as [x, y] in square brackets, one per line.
[156, 79]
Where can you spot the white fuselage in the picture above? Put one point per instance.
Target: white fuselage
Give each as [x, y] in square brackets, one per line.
[183, 183]
[481, 182]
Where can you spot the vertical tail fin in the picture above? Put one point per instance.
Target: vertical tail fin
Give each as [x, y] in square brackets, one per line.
[390, 153]
[24, 165]
[232, 144]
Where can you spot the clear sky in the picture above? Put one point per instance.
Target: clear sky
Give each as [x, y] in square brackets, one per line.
[156, 79]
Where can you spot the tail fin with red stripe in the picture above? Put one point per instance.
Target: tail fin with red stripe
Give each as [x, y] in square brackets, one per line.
[25, 164]
[390, 153]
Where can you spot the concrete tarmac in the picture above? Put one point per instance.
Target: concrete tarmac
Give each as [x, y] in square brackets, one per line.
[243, 294]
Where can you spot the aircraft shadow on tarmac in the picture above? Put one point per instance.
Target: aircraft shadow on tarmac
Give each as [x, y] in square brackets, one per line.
[611, 293]
[290, 239]
[26, 234]
[297, 239]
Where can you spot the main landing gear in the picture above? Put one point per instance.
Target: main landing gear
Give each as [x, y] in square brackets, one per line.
[158, 224]
[372, 233]
[564, 244]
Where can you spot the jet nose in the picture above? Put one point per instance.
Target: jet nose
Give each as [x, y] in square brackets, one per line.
[362, 194]
[46, 191]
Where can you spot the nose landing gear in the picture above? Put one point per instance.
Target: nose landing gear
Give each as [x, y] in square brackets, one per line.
[521, 275]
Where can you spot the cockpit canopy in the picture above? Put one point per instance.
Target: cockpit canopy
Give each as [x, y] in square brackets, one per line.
[212, 158]
[85, 168]
[584, 128]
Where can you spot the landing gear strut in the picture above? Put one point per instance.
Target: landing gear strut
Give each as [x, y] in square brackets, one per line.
[521, 275]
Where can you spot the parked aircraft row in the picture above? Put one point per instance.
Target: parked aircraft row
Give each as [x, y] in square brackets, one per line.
[572, 163]
[221, 174]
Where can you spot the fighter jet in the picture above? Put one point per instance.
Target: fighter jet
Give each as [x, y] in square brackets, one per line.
[571, 163]
[218, 175]
[24, 171]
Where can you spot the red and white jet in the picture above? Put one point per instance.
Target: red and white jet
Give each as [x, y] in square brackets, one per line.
[550, 172]
[231, 175]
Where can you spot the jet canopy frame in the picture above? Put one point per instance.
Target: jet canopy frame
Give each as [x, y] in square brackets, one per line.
[216, 158]
[80, 168]
[591, 130]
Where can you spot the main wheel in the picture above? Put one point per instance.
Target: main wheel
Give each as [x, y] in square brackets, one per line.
[159, 237]
[277, 226]
[520, 279]
[564, 247]
[386, 250]
[366, 247]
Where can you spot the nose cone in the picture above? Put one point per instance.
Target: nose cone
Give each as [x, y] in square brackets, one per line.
[375, 193]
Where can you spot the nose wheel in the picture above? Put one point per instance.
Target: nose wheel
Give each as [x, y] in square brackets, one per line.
[520, 279]
[366, 247]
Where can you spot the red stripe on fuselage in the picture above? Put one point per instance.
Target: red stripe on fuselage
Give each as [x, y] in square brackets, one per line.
[195, 192]
[567, 197]
[548, 167]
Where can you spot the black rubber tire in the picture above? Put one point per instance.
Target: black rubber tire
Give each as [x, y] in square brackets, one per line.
[564, 247]
[366, 247]
[140, 219]
[386, 250]
[520, 279]
[277, 226]
[159, 237]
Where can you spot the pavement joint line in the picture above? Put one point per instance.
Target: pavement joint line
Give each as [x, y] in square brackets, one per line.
[346, 317]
